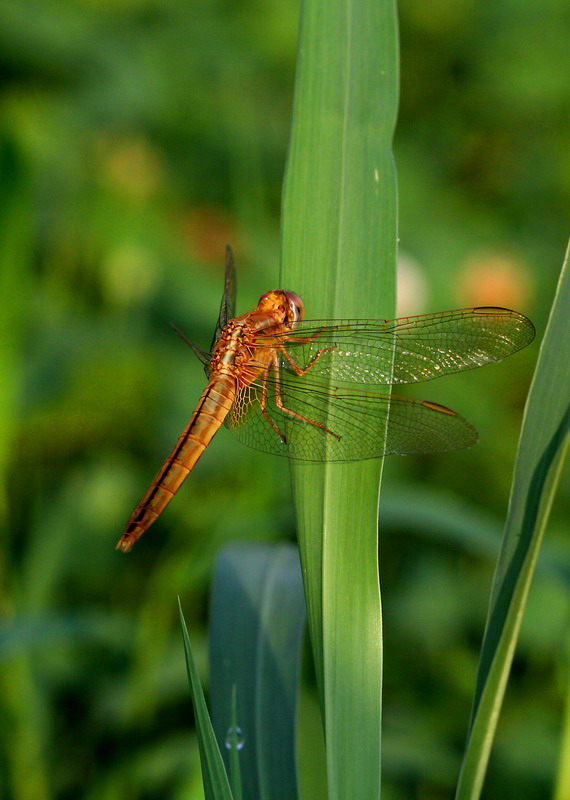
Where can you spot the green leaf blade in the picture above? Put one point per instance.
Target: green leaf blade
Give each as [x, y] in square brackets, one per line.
[258, 617]
[339, 253]
[214, 777]
[543, 447]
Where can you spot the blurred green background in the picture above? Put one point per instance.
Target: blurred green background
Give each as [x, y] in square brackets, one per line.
[137, 138]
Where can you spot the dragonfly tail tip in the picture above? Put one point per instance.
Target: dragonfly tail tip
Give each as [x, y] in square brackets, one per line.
[124, 544]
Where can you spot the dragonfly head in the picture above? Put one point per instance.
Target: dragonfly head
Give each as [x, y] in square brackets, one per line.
[286, 307]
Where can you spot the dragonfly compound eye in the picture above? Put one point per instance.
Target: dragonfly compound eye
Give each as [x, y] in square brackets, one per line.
[296, 308]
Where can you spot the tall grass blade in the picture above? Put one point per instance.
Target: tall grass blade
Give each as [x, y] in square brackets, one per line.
[542, 449]
[214, 777]
[339, 254]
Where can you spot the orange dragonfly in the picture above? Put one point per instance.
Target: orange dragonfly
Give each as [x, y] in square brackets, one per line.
[272, 378]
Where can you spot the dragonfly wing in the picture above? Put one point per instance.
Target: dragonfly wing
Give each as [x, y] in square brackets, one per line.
[228, 303]
[410, 349]
[343, 424]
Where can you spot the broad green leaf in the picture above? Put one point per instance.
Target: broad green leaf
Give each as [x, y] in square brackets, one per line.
[257, 621]
[339, 254]
[542, 448]
[216, 786]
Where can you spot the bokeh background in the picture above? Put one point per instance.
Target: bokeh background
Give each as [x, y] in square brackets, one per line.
[137, 138]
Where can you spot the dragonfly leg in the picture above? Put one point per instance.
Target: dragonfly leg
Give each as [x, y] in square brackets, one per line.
[303, 370]
[263, 406]
[203, 355]
[277, 389]
[307, 339]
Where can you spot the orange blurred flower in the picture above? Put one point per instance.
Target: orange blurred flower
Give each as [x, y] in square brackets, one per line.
[493, 279]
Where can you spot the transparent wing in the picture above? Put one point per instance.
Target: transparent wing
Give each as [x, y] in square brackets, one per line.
[228, 304]
[407, 350]
[353, 423]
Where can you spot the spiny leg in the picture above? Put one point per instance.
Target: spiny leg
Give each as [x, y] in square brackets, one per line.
[306, 339]
[277, 390]
[303, 370]
[263, 406]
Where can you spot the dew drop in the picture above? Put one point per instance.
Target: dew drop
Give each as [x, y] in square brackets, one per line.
[235, 738]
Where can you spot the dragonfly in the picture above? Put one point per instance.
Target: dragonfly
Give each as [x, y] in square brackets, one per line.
[292, 387]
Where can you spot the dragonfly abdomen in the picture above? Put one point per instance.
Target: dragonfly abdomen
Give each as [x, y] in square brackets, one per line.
[209, 415]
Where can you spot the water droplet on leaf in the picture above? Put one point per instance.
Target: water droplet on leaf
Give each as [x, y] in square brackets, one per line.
[235, 738]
